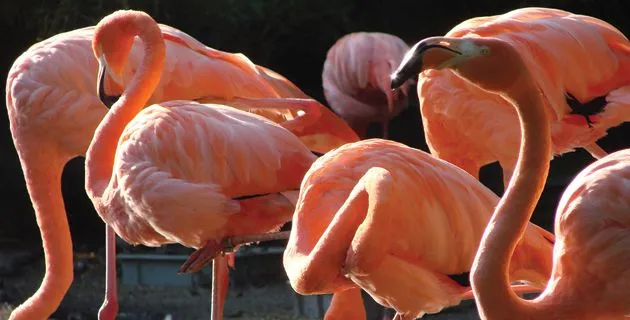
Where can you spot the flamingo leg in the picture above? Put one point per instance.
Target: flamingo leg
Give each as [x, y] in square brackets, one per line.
[596, 151]
[400, 316]
[385, 115]
[346, 304]
[519, 289]
[109, 308]
[213, 248]
[385, 126]
[220, 283]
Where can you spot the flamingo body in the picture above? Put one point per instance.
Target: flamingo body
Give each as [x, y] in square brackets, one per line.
[355, 79]
[223, 168]
[179, 164]
[566, 54]
[591, 260]
[54, 109]
[428, 224]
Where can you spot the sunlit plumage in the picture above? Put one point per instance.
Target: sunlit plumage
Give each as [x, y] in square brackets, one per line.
[395, 221]
[566, 53]
[591, 260]
[54, 109]
[184, 172]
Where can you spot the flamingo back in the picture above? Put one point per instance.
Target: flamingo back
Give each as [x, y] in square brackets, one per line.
[57, 99]
[179, 164]
[566, 53]
[592, 253]
[59, 96]
[558, 47]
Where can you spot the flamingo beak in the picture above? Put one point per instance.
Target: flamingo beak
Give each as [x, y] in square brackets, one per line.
[106, 99]
[436, 53]
[413, 63]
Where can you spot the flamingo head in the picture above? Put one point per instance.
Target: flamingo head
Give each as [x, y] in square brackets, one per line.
[490, 63]
[113, 39]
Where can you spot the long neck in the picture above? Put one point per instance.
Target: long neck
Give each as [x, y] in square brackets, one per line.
[100, 156]
[489, 275]
[42, 168]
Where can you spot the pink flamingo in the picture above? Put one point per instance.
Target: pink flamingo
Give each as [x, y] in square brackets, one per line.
[54, 109]
[591, 261]
[396, 222]
[584, 76]
[356, 79]
[184, 172]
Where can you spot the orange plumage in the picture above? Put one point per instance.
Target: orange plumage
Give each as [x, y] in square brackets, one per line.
[566, 53]
[395, 221]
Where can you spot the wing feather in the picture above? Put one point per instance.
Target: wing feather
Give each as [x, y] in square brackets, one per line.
[179, 164]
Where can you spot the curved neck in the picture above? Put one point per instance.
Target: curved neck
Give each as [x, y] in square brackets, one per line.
[99, 160]
[489, 274]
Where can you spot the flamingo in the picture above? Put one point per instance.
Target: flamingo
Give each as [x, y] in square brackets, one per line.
[185, 172]
[355, 79]
[581, 63]
[396, 222]
[591, 261]
[54, 109]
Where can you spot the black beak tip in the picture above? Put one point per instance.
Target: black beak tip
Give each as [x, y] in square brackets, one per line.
[109, 101]
[396, 81]
[106, 99]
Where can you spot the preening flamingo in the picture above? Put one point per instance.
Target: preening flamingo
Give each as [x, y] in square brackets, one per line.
[396, 222]
[591, 262]
[582, 66]
[184, 172]
[356, 79]
[54, 109]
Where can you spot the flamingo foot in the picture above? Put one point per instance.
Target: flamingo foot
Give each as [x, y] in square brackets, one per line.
[201, 257]
[108, 310]
[400, 316]
[213, 248]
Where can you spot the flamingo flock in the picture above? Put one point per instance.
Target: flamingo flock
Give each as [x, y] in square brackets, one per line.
[191, 145]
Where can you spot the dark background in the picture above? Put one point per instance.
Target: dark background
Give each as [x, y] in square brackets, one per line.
[288, 36]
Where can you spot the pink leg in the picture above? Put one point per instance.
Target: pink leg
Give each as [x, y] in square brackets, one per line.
[519, 289]
[203, 256]
[385, 128]
[595, 150]
[109, 309]
[347, 304]
[386, 113]
[400, 316]
[220, 282]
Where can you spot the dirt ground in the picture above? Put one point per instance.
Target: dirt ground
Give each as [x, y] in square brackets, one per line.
[258, 295]
[270, 300]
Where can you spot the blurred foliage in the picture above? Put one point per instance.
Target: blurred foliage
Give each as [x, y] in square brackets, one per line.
[289, 36]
